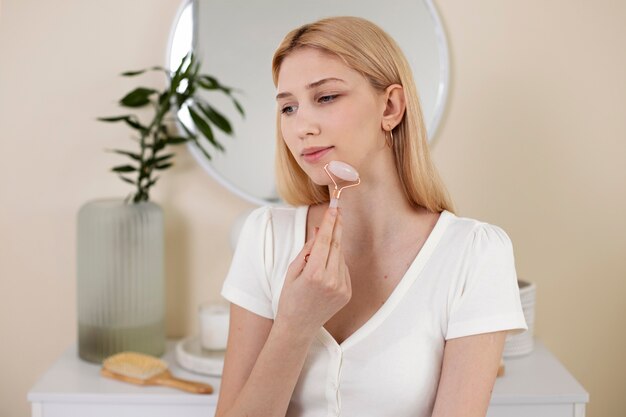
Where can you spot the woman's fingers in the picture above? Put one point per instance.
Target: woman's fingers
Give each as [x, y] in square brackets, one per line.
[319, 252]
[301, 259]
[322, 291]
[308, 247]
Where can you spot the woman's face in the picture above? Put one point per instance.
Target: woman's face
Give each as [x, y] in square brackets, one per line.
[324, 103]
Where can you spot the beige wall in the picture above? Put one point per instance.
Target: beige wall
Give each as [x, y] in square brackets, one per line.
[533, 140]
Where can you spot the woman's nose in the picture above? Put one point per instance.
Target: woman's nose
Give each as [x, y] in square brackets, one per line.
[306, 123]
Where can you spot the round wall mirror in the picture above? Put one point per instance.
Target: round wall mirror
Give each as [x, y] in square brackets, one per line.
[235, 40]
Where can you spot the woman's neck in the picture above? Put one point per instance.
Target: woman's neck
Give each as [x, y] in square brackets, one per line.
[376, 212]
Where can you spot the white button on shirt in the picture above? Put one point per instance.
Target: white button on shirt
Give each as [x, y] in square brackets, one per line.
[462, 282]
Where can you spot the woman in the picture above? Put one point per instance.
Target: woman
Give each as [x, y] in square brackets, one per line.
[395, 306]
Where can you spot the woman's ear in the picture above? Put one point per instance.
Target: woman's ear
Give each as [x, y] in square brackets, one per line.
[394, 106]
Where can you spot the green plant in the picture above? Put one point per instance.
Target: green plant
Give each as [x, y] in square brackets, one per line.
[179, 93]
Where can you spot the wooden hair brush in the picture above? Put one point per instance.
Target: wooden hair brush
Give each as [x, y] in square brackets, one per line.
[141, 369]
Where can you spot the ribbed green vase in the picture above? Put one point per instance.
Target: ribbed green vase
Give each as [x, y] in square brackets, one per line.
[120, 279]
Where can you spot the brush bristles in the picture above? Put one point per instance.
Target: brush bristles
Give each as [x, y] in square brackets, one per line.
[133, 364]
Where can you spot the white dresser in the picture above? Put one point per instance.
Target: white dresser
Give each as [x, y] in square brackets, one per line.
[536, 385]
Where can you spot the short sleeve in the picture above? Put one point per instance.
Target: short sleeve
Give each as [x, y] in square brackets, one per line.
[488, 299]
[247, 281]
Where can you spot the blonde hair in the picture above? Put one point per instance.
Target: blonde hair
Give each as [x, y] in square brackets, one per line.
[369, 50]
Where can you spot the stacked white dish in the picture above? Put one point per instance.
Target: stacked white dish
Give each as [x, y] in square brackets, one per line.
[192, 356]
[523, 344]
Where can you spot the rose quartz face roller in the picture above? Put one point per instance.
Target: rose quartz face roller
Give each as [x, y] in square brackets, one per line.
[344, 172]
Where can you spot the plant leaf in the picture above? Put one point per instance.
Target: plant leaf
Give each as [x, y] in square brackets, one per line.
[164, 98]
[216, 117]
[238, 106]
[152, 182]
[220, 85]
[194, 138]
[132, 122]
[204, 128]
[191, 135]
[114, 118]
[134, 156]
[190, 67]
[174, 84]
[128, 180]
[163, 166]
[181, 98]
[211, 83]
[207, 82]
[204, 151]
[138, 97]
[132, 73]
[176, 140]
[196, 70]
[176, 77]
[124, 168]
[160, 159]
[159, 145]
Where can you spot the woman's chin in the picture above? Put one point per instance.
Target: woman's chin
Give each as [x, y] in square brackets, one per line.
[321, 182]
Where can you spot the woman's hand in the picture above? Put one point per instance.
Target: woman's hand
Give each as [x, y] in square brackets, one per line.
[318, 287]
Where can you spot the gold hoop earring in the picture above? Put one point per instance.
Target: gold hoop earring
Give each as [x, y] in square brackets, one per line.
[390, 141]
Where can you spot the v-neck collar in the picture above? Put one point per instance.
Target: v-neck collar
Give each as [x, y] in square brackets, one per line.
[398, 292]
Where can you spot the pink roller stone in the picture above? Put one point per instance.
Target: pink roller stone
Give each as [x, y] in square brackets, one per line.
[344, 171]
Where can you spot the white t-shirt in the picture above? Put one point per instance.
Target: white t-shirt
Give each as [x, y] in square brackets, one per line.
[462, 282]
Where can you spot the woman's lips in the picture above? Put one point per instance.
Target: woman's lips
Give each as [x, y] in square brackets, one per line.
[316, 156]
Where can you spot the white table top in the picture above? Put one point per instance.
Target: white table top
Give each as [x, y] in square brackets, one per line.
[70, 379]
[537, 378]
[533, 379]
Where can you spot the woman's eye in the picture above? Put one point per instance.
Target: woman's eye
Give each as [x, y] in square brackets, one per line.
[287, 110]
[326, 99]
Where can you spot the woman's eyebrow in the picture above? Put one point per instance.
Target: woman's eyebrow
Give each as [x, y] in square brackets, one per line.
[310, 86]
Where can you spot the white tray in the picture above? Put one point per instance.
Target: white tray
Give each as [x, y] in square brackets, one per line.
[193, 357]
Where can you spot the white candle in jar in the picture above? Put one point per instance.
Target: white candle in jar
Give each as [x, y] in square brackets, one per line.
[214, 319]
